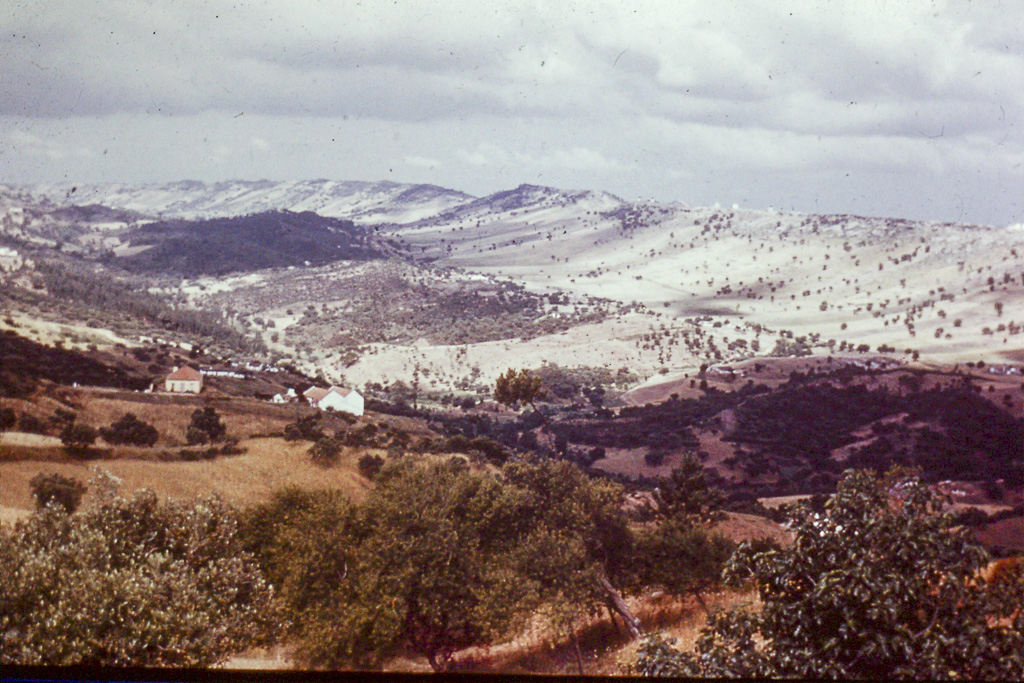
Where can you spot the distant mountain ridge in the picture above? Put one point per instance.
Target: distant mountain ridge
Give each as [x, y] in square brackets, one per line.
[359, 201]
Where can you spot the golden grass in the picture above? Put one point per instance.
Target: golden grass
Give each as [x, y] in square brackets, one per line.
[607, 650]
[268, 465]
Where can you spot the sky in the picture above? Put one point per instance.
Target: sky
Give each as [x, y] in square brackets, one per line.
[900, 108]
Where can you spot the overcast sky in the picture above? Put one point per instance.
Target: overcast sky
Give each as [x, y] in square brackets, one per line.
[897, 108]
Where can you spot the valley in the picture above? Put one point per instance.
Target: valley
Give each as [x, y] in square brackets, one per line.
[768, 352]
[422, 295]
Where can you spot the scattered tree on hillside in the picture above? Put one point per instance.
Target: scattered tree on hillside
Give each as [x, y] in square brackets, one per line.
[515, 388]
[881, 585]
[205, 427]
[8, 418]
[325, 451]
[130, 430]
[77, 437]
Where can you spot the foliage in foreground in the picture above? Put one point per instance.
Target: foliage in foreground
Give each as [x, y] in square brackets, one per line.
[882, 585]
[440, 558]
[129, 582]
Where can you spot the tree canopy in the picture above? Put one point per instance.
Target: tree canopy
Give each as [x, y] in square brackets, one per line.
[514, 388]
[881, 585]
[129, 582]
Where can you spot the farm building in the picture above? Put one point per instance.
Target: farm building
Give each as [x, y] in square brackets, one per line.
[336, 398]
[185, 380]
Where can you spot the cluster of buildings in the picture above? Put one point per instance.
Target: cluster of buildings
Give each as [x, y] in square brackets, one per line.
[188, 380]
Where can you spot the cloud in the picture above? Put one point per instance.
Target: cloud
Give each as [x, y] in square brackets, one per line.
[524, 91]
[422, 162]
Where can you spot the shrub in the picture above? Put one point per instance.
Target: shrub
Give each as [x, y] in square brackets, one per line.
[655, 457]
[130, 582]
[307, 428]
[370, 465]
[65, 492]
[8, 418]
[130, 430]
[325, 452]
[205, 427]
[77, 437]
[27, 422]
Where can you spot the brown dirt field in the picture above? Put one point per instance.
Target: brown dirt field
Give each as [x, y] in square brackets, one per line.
[1007, 533]
[268, 465]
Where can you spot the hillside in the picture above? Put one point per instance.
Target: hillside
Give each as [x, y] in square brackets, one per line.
[861, 280]
[687, 286]
[362, 202]
[273, 239]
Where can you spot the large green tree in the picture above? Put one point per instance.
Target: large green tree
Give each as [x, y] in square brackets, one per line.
[129, 582]
[881, 585]
[440, 557]
[415, 566]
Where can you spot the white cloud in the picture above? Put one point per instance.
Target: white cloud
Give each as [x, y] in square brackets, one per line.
[481, 95]
[422, 162]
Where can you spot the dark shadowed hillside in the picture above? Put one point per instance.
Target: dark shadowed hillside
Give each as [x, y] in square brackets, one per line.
[23, 362]
[271, 239]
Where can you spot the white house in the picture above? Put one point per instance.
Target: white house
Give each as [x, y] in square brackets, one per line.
[185, 380]
[336, 398]
[286, 397]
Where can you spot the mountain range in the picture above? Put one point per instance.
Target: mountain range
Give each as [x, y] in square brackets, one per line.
[734, 283]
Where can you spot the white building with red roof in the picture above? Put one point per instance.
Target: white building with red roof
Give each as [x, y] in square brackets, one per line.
[335, 398]
[184, 380]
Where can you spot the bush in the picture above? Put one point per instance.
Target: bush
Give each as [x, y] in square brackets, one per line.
[370, 465]
[325, 452]
[65, 492]
[27, 422]
[130, 430]
[130, 582]
[205, 427]
[654, 457]
[77, 437]
[307, 428]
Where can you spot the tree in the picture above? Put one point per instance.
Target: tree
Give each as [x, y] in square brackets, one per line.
[687, 495]
[130, 582]
[77, 437]
[439, 558]
[8, 418]
[574, 540]
[205, 427]
[678, 551]
[881, 585]
[130, 430]
[515, 388]
[65, 492]
[413, 568]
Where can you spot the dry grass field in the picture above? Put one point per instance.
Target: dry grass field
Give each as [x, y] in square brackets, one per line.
[267, 465]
